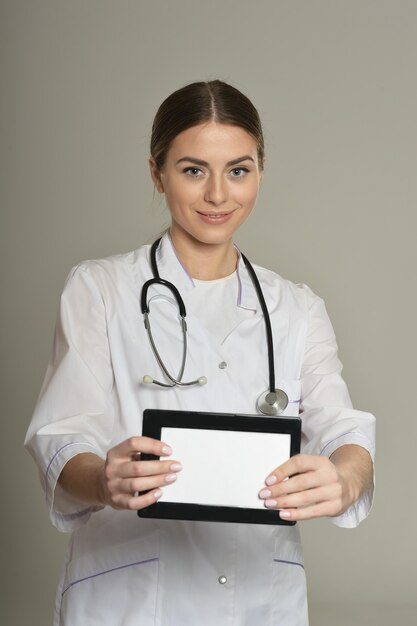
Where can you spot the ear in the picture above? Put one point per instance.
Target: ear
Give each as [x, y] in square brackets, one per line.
[261, 177]
[263, 170]
[156, 175]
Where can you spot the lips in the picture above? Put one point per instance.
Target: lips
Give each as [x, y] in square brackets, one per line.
[215, 218]
[214, 215]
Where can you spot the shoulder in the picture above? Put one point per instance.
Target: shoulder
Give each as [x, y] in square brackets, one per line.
[284, 290]
[111, 271]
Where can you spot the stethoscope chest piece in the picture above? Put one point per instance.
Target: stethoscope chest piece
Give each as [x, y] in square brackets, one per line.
[273, 403]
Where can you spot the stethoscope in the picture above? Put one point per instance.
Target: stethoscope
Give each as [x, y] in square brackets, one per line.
[270, 402]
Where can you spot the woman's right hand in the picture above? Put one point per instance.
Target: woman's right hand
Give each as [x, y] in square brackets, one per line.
[124, 473]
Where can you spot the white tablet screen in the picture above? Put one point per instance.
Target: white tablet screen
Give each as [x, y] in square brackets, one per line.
[223, 467]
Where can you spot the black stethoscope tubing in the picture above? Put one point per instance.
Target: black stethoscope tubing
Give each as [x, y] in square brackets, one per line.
[267, 321]
[182, 310]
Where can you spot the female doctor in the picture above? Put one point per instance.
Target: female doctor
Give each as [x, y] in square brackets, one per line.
[207, 158]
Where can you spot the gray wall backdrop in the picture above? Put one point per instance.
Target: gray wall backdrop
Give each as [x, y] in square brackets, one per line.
[335, 84]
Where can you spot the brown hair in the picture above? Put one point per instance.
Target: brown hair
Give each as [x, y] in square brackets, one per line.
[201, 102]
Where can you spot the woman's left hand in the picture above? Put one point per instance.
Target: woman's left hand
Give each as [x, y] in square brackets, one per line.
[308, 486]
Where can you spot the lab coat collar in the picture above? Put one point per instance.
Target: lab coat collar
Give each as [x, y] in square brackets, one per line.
[247, 296]
[171, 268]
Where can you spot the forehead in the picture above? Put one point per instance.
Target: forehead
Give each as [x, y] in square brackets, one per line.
[213, 141]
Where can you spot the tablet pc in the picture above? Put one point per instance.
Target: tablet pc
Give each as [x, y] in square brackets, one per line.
[226, 458]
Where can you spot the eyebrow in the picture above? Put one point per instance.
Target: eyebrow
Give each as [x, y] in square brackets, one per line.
[245, 157]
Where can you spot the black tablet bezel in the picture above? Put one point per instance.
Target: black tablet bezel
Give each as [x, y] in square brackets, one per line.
[156, 419]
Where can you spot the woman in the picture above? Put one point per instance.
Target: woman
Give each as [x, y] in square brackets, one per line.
[207, 158]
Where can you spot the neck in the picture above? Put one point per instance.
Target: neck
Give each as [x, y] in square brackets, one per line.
[205, 261]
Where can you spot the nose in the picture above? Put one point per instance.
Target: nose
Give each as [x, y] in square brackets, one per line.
[216, 190]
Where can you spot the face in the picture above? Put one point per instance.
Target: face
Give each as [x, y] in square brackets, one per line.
[211, 180]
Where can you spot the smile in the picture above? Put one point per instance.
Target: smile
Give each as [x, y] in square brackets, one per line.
[215, 218]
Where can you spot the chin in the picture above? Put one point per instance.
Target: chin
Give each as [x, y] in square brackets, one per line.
[215, 238]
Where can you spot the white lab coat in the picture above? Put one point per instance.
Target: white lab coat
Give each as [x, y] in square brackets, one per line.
[121, 569]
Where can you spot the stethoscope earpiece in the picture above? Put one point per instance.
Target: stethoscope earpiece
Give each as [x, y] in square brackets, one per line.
[148, 380]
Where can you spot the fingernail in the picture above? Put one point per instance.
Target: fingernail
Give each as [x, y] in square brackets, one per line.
[167, 450]
[270, 503]
[284, 514]
[175, 467]
[265, 493]
[271, 480]
[157, 494]
[169, 478]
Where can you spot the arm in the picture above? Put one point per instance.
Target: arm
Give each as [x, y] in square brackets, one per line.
[355, 469]
[81, 478]
[334, 476]
[71, 429]
[74, 413]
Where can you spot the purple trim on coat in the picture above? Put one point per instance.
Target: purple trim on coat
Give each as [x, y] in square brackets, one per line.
[71, 516]
[114, 569]
[351, 432]
[239, 280]
[73, 443]
[288, 562]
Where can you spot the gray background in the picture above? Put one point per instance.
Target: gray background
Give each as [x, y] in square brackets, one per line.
[335, 84]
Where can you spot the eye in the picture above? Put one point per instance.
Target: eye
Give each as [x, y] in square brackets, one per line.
[238, 172]
[194, 172]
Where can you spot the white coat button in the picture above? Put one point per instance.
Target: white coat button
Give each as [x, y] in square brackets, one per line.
[222, 580]
[222, 365]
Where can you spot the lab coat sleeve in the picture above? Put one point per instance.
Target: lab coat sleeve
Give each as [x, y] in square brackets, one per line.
[328, 419]
[73, 413]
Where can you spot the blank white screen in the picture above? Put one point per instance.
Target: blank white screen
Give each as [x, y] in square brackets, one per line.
[223, 467]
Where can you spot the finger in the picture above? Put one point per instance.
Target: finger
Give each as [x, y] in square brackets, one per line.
[298, 464]
[136, 469]
[132, 485]
[299, 482]
[321, 509]
[135, 503]
[330, 493]
[133, 445]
